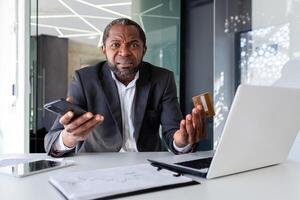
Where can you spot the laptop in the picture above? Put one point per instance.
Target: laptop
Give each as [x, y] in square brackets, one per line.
[259, 132]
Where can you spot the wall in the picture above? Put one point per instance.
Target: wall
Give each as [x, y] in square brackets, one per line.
[197, 65]
[80, 55]
[14, 83]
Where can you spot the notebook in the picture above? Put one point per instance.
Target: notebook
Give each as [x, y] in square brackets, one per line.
[116, 182]
[260, 129]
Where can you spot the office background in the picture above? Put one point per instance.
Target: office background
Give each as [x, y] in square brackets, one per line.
[210, 45]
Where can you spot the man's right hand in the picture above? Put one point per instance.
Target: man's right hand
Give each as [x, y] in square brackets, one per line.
[78, 129]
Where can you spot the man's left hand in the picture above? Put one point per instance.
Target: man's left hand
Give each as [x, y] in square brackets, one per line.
[192, 128]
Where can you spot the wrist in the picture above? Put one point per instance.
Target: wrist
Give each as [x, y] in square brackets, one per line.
[68, 141]
[178, 139]
[185, 149]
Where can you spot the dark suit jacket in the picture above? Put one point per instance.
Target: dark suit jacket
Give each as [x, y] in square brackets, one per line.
[156, 102]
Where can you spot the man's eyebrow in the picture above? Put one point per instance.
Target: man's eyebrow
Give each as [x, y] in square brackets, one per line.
[115, 40]
[135, 40]
[131, 41]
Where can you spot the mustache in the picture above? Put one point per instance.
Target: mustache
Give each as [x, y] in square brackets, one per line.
[124, 61]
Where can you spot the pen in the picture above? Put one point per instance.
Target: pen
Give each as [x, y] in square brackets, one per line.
[179, 171]
[160, 166]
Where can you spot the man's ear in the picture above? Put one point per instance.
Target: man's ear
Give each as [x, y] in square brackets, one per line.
[103, 49]
[144, 50]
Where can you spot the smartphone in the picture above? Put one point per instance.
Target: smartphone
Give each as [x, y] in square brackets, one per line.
[61, 107]
[33, 167]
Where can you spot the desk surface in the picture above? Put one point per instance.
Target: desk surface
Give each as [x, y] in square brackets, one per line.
[276, 182]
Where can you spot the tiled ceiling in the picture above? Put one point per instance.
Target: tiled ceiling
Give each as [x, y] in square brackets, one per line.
[79, 20]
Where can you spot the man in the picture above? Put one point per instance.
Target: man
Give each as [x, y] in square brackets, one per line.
[127, 100]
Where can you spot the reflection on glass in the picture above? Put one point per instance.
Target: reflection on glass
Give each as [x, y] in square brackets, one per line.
[160, 20]
[221, 109]
[263, 54]
[238, 15]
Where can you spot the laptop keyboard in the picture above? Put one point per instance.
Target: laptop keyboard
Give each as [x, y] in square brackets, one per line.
[197, 164]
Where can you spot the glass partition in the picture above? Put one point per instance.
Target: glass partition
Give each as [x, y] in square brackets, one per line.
[256, 42]
[66, 35]
[160, 19]
[271, 54]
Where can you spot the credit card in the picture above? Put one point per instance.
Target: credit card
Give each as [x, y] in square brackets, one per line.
[205, 101]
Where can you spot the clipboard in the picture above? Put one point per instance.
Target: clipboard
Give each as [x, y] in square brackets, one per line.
[117, 182]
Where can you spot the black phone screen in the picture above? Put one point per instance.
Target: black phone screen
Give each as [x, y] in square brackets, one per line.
[28, 168]
[62, 106]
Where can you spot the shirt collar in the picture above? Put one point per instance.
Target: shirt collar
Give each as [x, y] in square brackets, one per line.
[132, 83]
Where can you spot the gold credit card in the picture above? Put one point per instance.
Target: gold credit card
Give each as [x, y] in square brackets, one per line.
[205, 101]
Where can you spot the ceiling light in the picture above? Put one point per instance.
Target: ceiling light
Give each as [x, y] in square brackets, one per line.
[114, 4]
[104, 9]
[75, 13]
[80, 35]
[62, 28]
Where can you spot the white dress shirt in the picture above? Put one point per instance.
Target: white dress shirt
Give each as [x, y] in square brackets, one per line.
[126, 95]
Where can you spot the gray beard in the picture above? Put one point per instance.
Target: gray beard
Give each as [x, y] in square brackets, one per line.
[125, 75]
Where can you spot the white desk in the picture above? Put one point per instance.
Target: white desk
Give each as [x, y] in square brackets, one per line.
[279, 182]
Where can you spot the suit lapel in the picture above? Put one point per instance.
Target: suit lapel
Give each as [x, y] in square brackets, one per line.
[141, 98]
[112, 96]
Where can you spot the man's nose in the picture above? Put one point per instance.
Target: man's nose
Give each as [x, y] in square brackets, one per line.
[124, 51]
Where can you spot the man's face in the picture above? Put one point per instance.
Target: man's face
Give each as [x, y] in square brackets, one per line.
[124, 51]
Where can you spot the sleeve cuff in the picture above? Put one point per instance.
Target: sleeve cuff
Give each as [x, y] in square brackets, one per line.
[59, 145]
[185, 149]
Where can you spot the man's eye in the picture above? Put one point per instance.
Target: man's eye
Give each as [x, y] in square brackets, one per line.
[115, 45]
[134, 45]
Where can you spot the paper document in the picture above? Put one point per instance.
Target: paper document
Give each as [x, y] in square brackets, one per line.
[109, 182]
